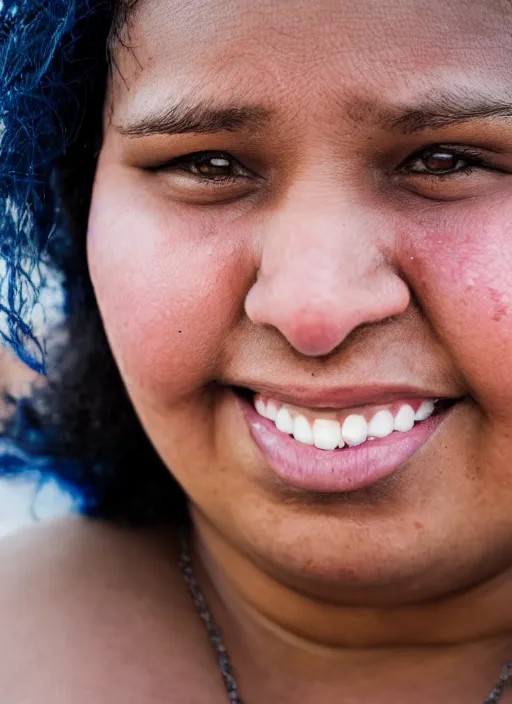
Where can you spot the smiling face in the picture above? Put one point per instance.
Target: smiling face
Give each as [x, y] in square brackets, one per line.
[313, 202]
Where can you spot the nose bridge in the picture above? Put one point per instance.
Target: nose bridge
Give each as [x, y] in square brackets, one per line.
[324, 243]
[324, 272]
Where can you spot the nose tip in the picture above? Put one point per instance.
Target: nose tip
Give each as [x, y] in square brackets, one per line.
[315, 325]
[311, 332]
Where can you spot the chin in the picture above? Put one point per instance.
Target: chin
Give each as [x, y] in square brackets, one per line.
[372, 563]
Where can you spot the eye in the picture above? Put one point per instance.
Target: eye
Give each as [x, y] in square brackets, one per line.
[207, 177]
[210, 166]
[438, 161]
[451, 172]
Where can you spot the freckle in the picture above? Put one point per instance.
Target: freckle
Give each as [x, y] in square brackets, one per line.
[500, 308]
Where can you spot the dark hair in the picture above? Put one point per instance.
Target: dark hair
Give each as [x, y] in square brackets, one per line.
[80, 426]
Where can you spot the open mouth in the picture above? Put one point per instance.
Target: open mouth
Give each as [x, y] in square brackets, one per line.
[345, 449]
[347, 428]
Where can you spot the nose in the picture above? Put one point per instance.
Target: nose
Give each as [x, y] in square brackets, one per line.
[324, 272]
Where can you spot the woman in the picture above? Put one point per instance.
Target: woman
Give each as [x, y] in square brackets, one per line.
[298, 241]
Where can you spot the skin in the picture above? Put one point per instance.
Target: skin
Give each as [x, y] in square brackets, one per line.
[327, 263]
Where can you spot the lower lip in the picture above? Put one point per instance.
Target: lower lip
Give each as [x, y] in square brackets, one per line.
[307, 468]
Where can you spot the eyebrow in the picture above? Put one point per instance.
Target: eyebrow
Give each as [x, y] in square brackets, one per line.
[200, 118]
[203, 118]
[444, 113]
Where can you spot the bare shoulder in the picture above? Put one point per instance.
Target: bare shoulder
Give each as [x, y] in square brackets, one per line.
[92, 612]
[77, 560]
[67, 547]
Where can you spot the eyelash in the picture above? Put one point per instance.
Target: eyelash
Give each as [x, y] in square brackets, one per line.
[188, 162]
[474, 158]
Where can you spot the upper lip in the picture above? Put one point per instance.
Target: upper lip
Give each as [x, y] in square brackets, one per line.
[345, 397]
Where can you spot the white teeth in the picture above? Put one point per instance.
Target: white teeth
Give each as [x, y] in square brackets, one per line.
[354, 431]
[404, 419]
[302, 430]
[261, 408]
[271, 411]
[381, 425]
[284, 421]
[327, 434]
[425, 410]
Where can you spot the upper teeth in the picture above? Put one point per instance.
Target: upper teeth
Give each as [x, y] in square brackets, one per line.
[425, 410]
[284, 421]
[303, 431]
[354, 430]
[381, 424]
[329, 433]
[404, 419]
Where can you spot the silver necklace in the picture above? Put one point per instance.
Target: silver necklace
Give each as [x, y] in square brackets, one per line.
[223, 659]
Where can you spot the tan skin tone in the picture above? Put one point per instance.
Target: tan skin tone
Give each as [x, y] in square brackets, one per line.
[334, 249]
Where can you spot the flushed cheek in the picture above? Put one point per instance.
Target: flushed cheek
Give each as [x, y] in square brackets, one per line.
[460, 267]
[166, 286]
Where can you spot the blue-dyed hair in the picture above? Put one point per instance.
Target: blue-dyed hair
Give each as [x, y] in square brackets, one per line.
[80, 428]
[42, 88]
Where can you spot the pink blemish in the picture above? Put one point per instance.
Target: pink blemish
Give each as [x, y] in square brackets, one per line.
[501, 309]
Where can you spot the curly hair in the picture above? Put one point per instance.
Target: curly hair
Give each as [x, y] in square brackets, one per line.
[80, 427]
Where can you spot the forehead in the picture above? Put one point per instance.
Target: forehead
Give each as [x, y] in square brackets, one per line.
[268, 51]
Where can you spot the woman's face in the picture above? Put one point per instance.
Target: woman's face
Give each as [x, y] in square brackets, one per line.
[339, 245]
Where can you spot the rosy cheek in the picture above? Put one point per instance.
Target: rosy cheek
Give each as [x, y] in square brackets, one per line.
[165, 286]
[461, 268]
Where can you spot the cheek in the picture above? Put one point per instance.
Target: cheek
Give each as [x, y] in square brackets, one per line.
[461, 268]
[168, 288]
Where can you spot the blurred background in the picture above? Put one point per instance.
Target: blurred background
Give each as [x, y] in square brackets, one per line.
[25, 500]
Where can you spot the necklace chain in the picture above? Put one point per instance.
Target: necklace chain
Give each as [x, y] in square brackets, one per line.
[202, 608]
[223, 659]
